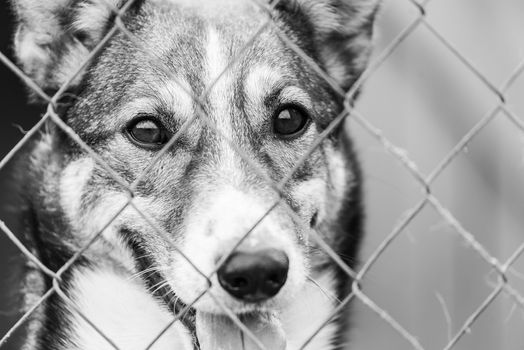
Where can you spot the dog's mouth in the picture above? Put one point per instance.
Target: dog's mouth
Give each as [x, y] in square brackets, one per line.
[213, 332]
[219, 332]
[255, 330]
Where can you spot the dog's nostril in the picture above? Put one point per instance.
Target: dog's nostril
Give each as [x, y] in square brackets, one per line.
[239, 282]
[274, 278]
[313, 221]
[254, 276]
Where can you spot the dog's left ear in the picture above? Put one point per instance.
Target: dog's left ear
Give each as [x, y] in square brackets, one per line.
[342, 33]
[54, 37]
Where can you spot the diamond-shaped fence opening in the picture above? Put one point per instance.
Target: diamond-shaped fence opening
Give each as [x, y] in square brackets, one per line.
[379, 292]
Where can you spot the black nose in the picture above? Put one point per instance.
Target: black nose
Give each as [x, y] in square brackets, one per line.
[254, 276]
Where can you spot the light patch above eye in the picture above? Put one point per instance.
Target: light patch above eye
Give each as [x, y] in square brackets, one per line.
[263, 80]
[294, 94]
[260, 81]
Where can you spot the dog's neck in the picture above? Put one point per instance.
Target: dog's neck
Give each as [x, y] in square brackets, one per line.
[131, 318]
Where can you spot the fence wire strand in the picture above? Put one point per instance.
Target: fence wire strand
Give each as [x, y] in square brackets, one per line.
[52, 118]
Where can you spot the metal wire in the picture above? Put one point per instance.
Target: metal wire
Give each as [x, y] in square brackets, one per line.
[357, 292]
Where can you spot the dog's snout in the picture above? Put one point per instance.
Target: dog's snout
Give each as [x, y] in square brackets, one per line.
[254, 276]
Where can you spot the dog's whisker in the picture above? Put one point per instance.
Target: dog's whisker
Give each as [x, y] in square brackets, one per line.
[150, 288]
[145, 272]
[158, 286]
[323, 290]
[145, 255]
[149, 269]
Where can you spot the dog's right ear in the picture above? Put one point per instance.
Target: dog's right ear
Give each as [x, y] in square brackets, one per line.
[54, 37]
[341, 32]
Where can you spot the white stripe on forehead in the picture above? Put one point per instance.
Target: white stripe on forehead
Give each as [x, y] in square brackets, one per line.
[216, 60]
[220, 98]
[211, 7]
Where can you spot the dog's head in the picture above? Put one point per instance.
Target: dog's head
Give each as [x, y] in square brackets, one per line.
[260, 106]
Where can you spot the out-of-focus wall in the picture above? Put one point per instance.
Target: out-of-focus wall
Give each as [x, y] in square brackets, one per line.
[425, 100]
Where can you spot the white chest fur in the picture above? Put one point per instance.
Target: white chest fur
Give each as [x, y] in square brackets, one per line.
[312, 307]
[124, 312]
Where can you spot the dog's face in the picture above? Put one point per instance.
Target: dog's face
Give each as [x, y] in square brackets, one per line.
[259, 109]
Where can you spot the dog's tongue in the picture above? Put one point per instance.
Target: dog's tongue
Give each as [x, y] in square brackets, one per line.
[216, 332]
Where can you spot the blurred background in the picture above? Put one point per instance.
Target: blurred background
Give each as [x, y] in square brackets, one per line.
[424, 100]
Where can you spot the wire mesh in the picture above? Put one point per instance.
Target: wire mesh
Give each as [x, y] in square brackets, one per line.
[425, 182]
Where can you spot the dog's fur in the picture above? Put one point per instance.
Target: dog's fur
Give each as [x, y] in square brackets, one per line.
[201, 194]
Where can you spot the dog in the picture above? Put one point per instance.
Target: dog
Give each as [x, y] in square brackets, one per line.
[200, 107]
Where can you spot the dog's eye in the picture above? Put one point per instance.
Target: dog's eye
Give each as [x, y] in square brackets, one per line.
[290, 122]
[148, 132]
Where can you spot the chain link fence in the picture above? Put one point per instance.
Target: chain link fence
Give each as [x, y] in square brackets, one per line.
[425, 182]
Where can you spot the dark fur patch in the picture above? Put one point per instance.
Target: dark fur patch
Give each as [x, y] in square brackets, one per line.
[144, 261]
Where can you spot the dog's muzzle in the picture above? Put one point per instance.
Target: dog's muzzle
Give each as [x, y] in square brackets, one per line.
[254, 276]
